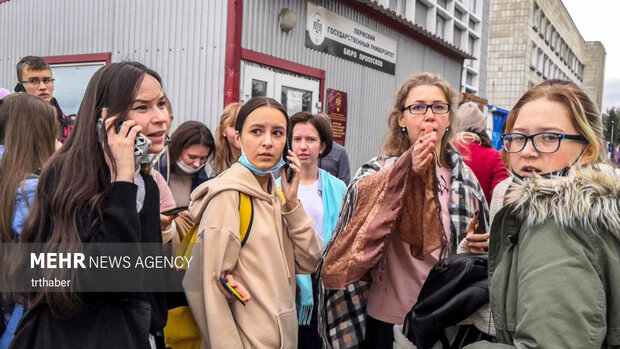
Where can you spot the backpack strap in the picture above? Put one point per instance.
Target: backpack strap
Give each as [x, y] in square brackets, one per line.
[246, 217]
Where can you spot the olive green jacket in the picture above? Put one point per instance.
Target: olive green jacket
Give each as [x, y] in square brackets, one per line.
[554, 263]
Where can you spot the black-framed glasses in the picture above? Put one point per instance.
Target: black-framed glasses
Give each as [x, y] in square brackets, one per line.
[421, 108]
[543, 142]
[37, 81]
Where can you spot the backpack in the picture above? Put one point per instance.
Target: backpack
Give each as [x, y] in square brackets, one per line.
[181, 331]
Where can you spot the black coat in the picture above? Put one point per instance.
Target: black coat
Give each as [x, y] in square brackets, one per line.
[106, 320]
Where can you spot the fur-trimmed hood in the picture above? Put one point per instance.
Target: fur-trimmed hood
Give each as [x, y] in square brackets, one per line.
[588, 198]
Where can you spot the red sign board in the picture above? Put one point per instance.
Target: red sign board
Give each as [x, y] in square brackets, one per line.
[337, 112]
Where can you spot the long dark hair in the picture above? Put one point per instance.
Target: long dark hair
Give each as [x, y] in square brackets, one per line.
[30, 138]
[187, 134]
[78, 177]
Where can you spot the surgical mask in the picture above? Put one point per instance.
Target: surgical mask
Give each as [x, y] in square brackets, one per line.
[188, 169]
[243, 160]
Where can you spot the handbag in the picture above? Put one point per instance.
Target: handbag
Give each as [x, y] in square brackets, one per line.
[455, 288]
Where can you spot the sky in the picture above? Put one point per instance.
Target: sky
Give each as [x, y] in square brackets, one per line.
[597, 20]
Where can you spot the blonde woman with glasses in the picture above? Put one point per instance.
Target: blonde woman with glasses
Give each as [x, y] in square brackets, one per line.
[555, 245]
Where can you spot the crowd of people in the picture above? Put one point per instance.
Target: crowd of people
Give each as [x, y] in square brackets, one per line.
[287, 250]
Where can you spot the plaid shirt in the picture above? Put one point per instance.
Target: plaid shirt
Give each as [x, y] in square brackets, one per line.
[342, 313]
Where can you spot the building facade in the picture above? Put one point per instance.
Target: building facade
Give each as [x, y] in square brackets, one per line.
[535, 40]
[344, 57]
[464, 23]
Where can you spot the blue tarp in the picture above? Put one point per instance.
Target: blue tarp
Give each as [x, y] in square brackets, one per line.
[499, 120]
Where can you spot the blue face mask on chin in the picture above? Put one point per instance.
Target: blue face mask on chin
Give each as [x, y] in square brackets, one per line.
[563, 172]
[243, 160]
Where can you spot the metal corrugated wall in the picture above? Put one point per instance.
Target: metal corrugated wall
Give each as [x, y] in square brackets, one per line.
[370, 92]
[184, 41]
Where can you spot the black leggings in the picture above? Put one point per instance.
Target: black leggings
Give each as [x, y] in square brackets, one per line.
[379, 334]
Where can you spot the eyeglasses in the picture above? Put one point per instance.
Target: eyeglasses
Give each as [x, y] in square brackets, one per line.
[37, 81]
[420, 109]
[544, 142]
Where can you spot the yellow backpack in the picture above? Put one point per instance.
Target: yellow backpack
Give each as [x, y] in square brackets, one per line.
[181, 331]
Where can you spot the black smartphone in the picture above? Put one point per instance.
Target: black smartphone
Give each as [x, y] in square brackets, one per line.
[290, 173]
[174, 210]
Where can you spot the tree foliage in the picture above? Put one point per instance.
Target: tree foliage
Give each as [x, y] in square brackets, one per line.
[609, 115]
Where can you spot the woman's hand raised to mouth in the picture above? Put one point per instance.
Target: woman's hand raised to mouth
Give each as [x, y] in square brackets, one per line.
[423, 149]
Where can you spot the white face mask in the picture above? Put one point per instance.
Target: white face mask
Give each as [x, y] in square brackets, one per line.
[188, 169]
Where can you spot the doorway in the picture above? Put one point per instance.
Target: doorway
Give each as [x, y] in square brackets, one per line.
[296, 92]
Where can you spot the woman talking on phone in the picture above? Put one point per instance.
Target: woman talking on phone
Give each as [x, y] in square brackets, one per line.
[115, 200]
[279, 243]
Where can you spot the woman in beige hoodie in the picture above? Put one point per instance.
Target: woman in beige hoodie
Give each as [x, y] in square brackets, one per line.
[279, 244]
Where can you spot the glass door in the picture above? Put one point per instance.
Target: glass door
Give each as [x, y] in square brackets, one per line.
[296, 92]
[257, 82]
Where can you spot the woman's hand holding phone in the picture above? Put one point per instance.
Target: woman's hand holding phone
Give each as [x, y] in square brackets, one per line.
[121, 145]
[478, 241]
[237, 286]
[289, 189]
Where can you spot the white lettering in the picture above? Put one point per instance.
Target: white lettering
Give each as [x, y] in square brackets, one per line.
[53, 260]
[37, 259]
[348, 52]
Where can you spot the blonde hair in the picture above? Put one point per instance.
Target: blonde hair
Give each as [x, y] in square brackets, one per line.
[583, 112]
[395, 141]
[224, 157]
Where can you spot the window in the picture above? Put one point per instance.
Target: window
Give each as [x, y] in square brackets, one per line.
[473, 5]
[72, 74]
[545, 67]
[552, 37]
[458, 14]
[534, 57]
[472, 24]
[458, 35]
[469, 79]
[540, 65]
[536, 17]
[543, 25]
[421, 12]
[443, 3]
[549, 32]
[471, 45]
[440, 29]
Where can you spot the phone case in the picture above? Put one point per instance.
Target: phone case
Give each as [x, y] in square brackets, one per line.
[141, 144]
[232, 290]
